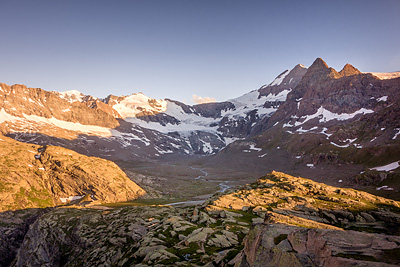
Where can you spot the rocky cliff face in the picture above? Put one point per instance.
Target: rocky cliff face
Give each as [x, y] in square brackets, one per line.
[312, 224]
[280, 244]
[13, 227]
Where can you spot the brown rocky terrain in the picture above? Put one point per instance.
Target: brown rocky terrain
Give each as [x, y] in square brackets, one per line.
[285, 245]
[312, 224]
[32, 176]
[19, 100]
[279, 219]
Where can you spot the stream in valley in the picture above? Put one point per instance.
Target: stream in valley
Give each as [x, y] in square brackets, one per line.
[223, 187]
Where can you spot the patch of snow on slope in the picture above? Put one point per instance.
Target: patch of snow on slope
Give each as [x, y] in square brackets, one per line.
[72, 126]
[301, 130]
[182, 127]
[229, 140]
[384, 187]
[177, 112]
[383, 98]
[72, 96]
[129, 137]
[137, 103]
[394, 137]
[388, 167]
[207, 148]
[4, 116]
[253, 147]
[278, 80]
[325, 115]
[161, 151]
[251, 101]
[347, 145]
[278, 97]
[298, 102]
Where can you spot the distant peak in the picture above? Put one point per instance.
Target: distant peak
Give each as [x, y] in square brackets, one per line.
[72, 96]
[299, 66]
[319, 63]
[349, 70]
[71, 92]
[319, 69]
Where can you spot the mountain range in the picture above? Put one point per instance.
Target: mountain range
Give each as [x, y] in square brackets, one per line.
[307, 121]
[132, 180]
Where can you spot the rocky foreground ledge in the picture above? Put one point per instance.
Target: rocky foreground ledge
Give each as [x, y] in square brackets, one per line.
[279, 220]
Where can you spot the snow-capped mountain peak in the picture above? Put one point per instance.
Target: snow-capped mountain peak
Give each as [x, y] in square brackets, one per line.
[139, 105]
[71, 96]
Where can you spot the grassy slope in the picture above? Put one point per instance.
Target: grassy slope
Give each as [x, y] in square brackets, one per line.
[26, 182]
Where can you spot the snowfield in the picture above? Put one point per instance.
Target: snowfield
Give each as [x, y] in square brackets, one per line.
[137, 103]
[278, 80]
[389, 167]
[72, 126]
[325, 115]
[71, 96]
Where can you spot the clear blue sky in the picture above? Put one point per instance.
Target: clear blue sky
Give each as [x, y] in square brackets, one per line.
[174, 49]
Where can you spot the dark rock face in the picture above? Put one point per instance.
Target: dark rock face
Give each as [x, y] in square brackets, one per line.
[349, 70]
[279, 244]
[344, 92]
[13, 227]
[240, 127]
[83, 238]
[161, 118]
[203, 142]
[212, 110]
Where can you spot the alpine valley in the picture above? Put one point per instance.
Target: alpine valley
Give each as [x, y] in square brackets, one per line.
[136, 181]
